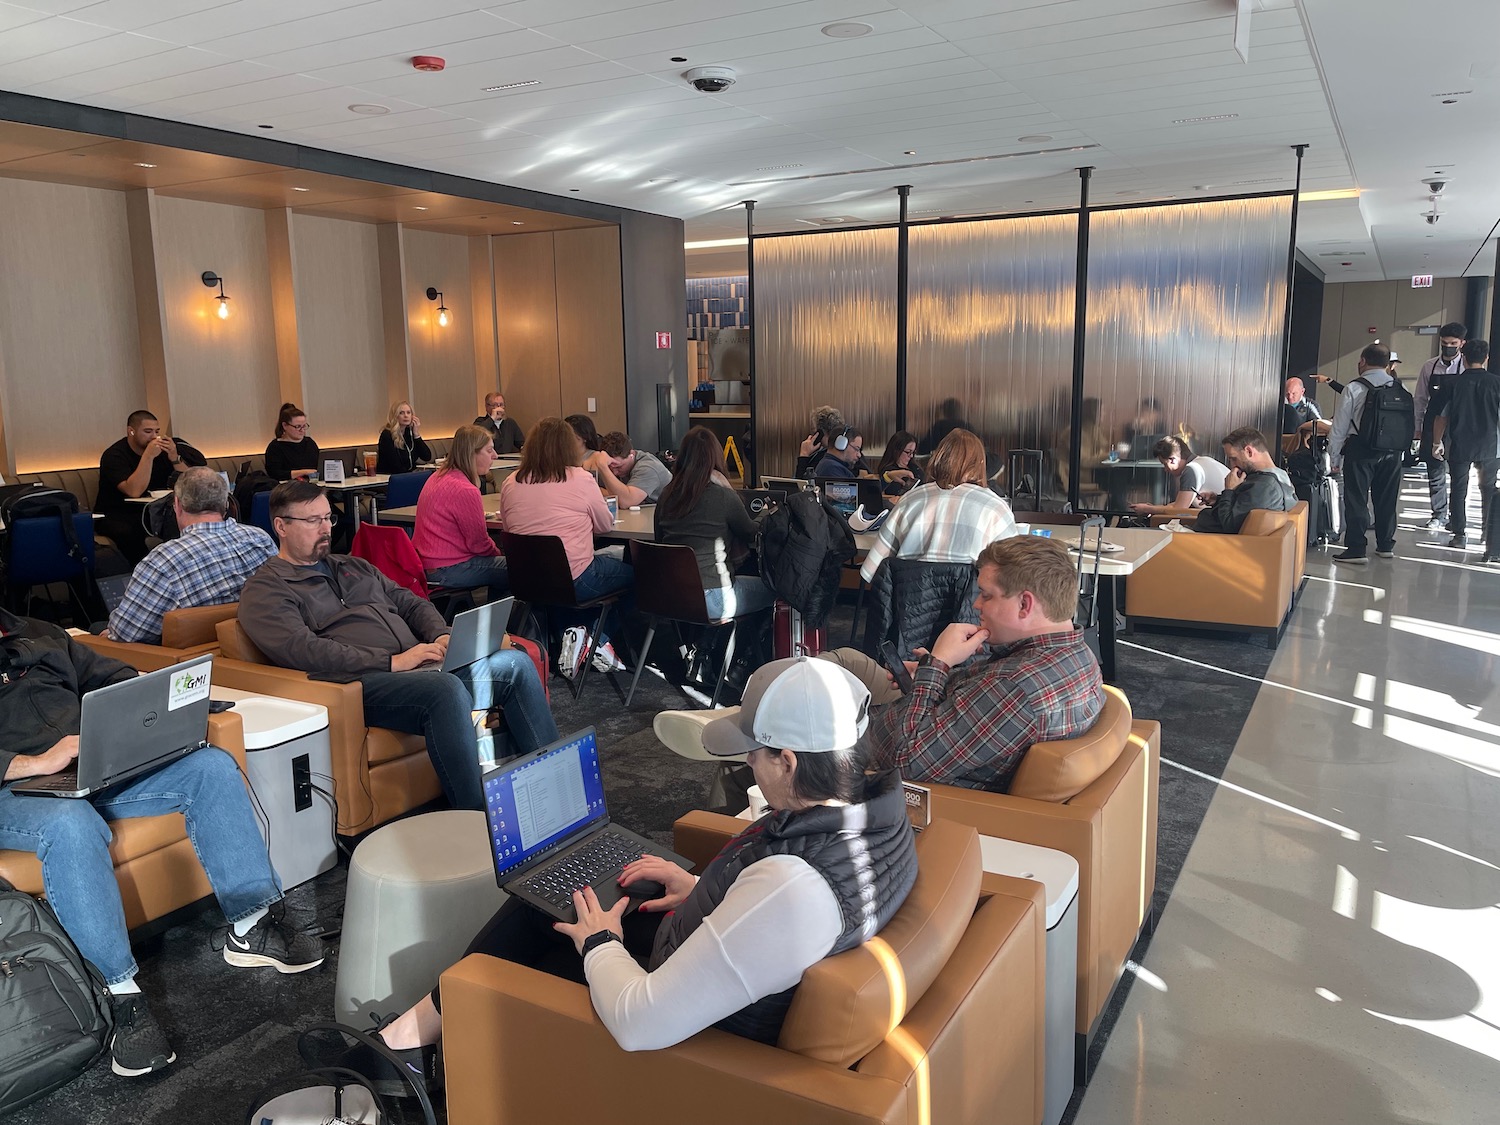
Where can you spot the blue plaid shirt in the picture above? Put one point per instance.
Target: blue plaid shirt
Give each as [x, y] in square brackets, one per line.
[206, 565]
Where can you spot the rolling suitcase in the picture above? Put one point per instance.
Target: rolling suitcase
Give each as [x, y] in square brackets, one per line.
[789, 638]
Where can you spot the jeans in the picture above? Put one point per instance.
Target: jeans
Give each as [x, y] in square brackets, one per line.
[605, 575]
[1489, 514]
[747, 595]
[1371, 484]
[1437, 473]
[482, 570]
[71, 838]
[439, 706]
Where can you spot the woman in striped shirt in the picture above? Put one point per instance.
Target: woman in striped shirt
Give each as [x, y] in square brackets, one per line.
[952, 518]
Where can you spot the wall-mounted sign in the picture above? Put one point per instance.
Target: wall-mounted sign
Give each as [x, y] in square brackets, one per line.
[1421, 281]
[663, 341]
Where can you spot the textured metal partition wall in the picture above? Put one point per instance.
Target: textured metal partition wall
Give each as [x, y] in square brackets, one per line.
[1186, 305]
[990, 338]
[825, 332]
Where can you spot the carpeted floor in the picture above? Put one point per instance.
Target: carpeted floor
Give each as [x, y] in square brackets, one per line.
[235, 1030]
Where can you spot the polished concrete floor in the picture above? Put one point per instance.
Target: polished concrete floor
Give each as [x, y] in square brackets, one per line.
[1331, 952]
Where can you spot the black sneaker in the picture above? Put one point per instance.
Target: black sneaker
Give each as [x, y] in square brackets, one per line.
[1459, 541]
[274, 942]
[137, 1046]
[392, 1073]
[1388, 553]
[1347, 557]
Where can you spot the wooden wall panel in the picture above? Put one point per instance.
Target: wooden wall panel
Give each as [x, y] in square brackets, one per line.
[442, 358]
[482, 302]
[1351, 309]
[340, 331]
[526, 326]
[222, 374]
[70, 361]
[281, 260]
[590, 330]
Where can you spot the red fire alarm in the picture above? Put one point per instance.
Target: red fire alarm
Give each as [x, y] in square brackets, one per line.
[663, 340]
[430, 63]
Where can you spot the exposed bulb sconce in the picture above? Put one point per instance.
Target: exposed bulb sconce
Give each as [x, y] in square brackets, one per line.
[436, 295]
[211, 279]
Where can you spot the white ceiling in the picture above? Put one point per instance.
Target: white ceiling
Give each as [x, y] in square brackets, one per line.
[950, 79]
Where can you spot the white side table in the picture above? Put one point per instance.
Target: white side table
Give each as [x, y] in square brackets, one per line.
[1058, 874]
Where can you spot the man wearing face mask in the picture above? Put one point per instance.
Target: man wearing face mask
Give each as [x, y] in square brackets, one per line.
[1434, 386]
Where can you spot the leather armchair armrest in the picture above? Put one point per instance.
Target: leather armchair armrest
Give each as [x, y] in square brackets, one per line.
[143, 658]
[226, 730]
[699, 835]
[346, 724]
[515, 1041]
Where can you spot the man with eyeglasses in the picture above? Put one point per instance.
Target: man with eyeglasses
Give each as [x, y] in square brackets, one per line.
[338, 618]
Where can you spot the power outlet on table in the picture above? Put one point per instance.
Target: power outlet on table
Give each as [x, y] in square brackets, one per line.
[301, 783]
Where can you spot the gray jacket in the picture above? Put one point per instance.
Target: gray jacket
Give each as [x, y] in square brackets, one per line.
[337, 628]
[1270, 488]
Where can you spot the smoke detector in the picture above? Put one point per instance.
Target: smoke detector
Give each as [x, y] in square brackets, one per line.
[429, 63]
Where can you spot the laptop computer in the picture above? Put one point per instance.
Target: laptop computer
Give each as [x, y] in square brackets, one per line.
[842, 494]
[760, 501]
[345, 459]
[477, 633]
[550, 832]
[133, 727]
[872, 497]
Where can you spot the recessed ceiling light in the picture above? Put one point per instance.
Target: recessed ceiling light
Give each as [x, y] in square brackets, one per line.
[1450, 101]
[908, 152]
[369, 110]
[1201, 120]
[302, 189]
[1333, 193]
[1034, 138]
[679, 58]
[265, 126]
[575, 189]
[847, 30]
[143, 164]
[512, 85]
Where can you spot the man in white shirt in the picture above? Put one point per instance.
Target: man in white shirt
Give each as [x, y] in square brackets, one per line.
[1434, 384]
[1372, 478]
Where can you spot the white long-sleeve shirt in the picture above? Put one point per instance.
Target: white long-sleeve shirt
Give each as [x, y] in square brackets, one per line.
[778, 918]
[1350, 412]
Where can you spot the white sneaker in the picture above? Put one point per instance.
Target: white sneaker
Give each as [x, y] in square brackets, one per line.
[575, 641]
[605, 659]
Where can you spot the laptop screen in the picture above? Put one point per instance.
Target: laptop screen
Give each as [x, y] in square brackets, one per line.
[843, 495]
[543, 799]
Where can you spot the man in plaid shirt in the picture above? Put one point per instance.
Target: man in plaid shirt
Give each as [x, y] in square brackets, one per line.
[207, 565]
[970, 726]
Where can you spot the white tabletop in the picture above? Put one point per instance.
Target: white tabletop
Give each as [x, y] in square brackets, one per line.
[1139, 544]
[1056, 871]
[270, 721]
[357, 484]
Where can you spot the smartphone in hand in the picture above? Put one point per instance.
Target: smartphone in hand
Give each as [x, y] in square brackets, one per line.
[894, 664]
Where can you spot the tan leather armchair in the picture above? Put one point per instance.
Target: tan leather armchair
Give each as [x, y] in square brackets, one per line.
[938, 1019]
[1095, 798]
[1242, 581]
[378, 774]
[1299, 517]
[155, 864]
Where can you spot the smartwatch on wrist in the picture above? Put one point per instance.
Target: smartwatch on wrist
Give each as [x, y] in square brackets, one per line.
[594, 941]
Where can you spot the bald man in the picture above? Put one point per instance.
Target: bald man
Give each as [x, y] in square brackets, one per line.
[1297, 408]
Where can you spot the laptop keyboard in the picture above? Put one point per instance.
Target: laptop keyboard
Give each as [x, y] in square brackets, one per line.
[64, 782]
[604, 855]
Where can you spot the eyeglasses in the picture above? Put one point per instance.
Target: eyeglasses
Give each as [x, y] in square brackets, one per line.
[295, 426]
[329, 519]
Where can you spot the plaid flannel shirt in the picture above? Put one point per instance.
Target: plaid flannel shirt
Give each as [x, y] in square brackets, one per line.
[940, 525]
[206, 565]
[971, 726]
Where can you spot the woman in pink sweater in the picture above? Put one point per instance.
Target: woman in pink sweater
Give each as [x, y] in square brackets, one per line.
[451, 534]
[551, 495]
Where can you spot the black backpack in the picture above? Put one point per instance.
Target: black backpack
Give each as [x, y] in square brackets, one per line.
[247, 484]
[57, 1017]
[1388, 422]
[803, 546]
[29, 501]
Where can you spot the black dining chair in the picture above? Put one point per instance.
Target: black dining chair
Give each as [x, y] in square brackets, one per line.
[669, 590]
[1087, 616]
[541, 578]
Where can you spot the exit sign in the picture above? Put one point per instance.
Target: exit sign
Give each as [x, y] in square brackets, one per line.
[1421, 281]
[664, 339]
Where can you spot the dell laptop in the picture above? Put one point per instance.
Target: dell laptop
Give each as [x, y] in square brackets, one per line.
[477, 633]
[760, 501]
[550, 832]
[131, 728]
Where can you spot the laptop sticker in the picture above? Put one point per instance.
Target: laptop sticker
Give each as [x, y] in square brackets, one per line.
[188, 687]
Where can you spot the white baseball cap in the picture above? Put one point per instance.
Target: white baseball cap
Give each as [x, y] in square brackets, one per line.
[807, 706]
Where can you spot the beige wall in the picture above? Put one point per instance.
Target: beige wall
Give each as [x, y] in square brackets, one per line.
[221, 374]
[1351, 309]
[102, 311]
[560, 325]
[70, 361]
[442, 358]
[336, 276]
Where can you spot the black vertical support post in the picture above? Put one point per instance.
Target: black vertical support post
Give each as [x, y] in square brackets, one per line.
[750, 454]
[1291, 278]
[903, 251]
[1080, 331]
[1494, 336]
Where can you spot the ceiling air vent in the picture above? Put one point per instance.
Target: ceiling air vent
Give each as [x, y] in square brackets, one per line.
[1342, 254]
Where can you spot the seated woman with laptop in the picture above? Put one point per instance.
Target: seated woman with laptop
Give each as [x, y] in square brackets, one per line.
[821, 873]
[292, 454]
[697, 511]
[451, 534]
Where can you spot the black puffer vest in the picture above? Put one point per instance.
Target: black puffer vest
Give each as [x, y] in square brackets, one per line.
[866, 854]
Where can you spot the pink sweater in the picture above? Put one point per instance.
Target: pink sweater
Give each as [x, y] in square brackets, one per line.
[450, 522]
[572, 509]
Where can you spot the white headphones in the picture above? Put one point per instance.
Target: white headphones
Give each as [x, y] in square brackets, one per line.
[841, 442]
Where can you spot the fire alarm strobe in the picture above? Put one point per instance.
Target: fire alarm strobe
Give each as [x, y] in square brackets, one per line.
[429, 63]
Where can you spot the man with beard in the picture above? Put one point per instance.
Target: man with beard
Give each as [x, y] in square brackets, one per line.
[338, 618]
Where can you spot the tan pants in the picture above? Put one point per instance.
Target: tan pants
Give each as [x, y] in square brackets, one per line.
[867, 671]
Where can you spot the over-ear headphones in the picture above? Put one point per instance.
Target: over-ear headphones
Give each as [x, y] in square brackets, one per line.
[841, 442]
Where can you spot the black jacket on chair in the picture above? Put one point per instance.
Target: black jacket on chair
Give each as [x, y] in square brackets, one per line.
[911, 602]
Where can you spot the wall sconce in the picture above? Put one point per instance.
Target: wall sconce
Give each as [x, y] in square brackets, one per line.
[436, 295]
[211, 279]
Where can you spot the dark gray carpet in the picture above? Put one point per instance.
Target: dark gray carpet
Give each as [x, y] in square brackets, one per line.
[235, 1030]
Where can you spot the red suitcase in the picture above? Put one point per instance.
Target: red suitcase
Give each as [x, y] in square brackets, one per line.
[789, 638]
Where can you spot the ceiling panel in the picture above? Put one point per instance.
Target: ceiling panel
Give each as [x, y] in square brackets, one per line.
[220, 21]
[132, 15]
[43, 36]
[460, 38]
